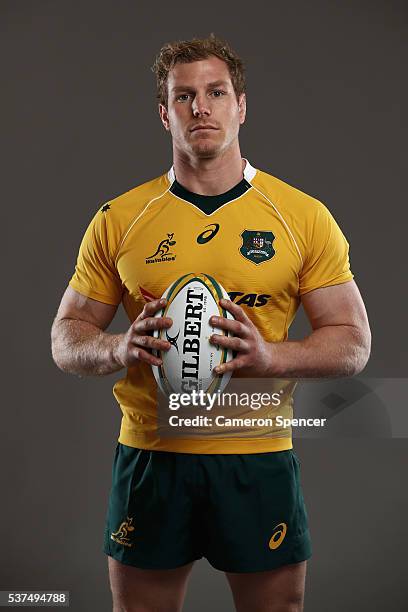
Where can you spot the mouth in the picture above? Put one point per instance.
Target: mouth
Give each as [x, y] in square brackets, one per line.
[200, 128]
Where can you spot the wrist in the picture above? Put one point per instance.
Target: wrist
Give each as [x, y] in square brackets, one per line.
[274, 369]
[116, 353]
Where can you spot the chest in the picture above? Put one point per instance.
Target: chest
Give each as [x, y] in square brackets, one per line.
[243, 245]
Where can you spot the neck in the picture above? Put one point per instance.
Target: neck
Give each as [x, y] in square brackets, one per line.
[209, 176]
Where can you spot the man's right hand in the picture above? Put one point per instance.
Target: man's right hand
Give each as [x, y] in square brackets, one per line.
[137, 343]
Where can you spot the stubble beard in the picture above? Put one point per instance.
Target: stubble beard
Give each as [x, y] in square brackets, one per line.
[207, 148]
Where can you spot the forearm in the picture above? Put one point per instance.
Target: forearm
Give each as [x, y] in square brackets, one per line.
[78, 347]
[331, 351]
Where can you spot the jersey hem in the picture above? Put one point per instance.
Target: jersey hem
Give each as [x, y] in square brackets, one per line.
[335, 281]
[92, 294]
[226, 446]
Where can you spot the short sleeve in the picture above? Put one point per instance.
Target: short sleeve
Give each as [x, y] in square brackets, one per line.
[95, 273]
[327, 257]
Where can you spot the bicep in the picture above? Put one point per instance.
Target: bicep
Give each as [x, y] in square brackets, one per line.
[336, 305]
[74, 305]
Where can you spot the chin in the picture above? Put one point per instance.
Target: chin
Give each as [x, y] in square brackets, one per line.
[205, 150]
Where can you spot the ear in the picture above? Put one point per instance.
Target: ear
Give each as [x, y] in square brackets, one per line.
[242, 108]
[164, 116]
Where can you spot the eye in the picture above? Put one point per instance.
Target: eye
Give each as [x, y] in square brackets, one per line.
[218, 93]
[182, 97]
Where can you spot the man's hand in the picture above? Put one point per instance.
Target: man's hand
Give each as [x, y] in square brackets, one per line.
[254, 353]
[136, 344]
[339, 344]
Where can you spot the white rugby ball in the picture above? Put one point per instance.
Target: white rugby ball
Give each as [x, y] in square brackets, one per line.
[189, 363]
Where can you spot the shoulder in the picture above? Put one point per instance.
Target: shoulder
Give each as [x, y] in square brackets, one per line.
[307, 218]
[119, 213]
[113, 218]
[285, 196]
[133, 201]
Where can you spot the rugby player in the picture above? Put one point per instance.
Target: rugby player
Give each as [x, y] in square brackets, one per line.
[235, 501]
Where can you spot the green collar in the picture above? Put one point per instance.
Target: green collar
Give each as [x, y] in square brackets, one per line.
[209, 203]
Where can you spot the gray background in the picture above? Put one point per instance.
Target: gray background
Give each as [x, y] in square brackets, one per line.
[326, 93]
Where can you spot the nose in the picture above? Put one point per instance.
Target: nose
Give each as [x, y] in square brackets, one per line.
[201, 106]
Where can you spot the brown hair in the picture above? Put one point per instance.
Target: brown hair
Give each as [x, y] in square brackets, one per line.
[186, 51]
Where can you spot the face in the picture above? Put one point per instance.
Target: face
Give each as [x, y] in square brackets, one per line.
[203, 113]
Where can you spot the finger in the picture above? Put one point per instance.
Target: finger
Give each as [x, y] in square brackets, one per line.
[152, 307]
[235, 310]
[141, 355]
[235, 327]
[235, 343]
[149, 342]
[229, 366]
[142, 326]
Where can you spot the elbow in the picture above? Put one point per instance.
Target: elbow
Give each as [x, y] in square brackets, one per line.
[361, 352]
[57, 360]
[56, 357]
[57, 354]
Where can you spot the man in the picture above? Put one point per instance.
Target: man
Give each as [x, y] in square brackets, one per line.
[238, 502]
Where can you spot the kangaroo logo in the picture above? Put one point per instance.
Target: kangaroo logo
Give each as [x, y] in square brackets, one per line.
[163, 251]
[121, 535]
[164, 246]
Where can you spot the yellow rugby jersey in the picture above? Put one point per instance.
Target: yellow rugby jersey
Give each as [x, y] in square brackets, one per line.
[265, 241]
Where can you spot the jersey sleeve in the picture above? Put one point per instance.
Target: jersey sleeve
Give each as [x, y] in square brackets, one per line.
[95, 273]
[327, 258]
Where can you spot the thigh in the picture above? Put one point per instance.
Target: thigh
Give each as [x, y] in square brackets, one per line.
[278, 590]
[138, 590]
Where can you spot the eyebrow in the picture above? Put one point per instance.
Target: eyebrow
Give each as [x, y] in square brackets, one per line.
[209, 86]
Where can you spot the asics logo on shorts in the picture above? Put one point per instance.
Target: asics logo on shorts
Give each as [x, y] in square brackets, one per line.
[120, 536]
[278, 536]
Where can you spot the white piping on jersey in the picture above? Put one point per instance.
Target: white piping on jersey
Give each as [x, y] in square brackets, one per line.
[283, 221]
[249, 173]
[136, 220]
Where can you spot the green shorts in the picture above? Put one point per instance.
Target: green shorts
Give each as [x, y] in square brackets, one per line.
[244, 513]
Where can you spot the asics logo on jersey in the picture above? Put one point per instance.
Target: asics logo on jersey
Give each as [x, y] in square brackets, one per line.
[121, 535]
[173, 341]
[278, 535]
[208, 234]
[163, 251]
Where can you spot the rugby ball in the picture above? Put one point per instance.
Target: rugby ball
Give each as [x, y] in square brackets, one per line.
[189, 363]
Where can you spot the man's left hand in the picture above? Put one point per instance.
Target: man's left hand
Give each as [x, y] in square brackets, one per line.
[254, 355]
